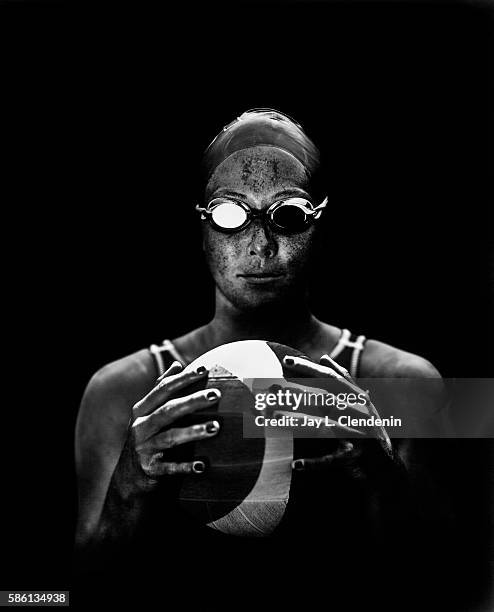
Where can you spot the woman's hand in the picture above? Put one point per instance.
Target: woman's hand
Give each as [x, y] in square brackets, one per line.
[151, 429]
[349, 454]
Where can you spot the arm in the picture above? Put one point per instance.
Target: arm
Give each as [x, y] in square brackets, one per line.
[120, 453]
[101, 430]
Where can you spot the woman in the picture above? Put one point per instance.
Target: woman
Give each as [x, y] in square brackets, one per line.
[262, 203]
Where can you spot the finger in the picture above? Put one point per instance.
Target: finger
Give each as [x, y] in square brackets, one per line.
[165, 388]
[157, 468]
[175, 368]
[326, 360]
[180, 435]
[381, 432]
[306, 367]
[300, 417]
[309, 368]
[346, 450]
[175, 409]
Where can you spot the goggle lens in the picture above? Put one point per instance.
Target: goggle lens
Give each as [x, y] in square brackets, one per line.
[290, 217]
[229, 215]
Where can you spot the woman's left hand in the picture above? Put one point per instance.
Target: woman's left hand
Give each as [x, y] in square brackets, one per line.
[348, 455]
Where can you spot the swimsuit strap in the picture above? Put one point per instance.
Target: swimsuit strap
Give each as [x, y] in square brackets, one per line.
[348, 351]
[164, 355]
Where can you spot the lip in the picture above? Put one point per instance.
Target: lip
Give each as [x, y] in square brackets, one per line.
[261, 277]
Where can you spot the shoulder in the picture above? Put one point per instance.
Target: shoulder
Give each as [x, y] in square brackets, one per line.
[383, 360]
[110, 394]
[121, 379]
[420, 398]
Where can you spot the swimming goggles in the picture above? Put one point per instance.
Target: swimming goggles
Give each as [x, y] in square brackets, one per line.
[290, 215]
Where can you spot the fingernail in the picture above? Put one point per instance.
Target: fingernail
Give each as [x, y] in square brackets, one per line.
[201, 370]
[213, 395]
[198, 467]
[298, 464]
[212, 427]
[289, 360]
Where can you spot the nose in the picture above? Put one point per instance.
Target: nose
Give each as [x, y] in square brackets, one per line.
[262, 243]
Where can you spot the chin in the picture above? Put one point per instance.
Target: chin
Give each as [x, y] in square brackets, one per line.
[260, 304]
[249, 299]
[259, 301]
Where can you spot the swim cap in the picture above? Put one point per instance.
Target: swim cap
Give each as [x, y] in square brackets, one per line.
[261, 127]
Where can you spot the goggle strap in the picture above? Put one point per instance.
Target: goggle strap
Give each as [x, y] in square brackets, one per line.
[318, 209]
[322, 205]
[202, 210]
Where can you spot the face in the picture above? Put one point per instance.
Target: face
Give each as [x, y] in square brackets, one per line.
[258, 266]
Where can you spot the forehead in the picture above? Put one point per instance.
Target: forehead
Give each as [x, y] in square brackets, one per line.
[258, 170]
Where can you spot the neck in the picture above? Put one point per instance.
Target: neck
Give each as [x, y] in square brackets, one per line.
[291, 323]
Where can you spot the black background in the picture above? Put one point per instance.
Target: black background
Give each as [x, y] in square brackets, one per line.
[107, 109]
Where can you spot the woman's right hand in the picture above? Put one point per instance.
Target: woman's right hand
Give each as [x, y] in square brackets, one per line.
[151, 432]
